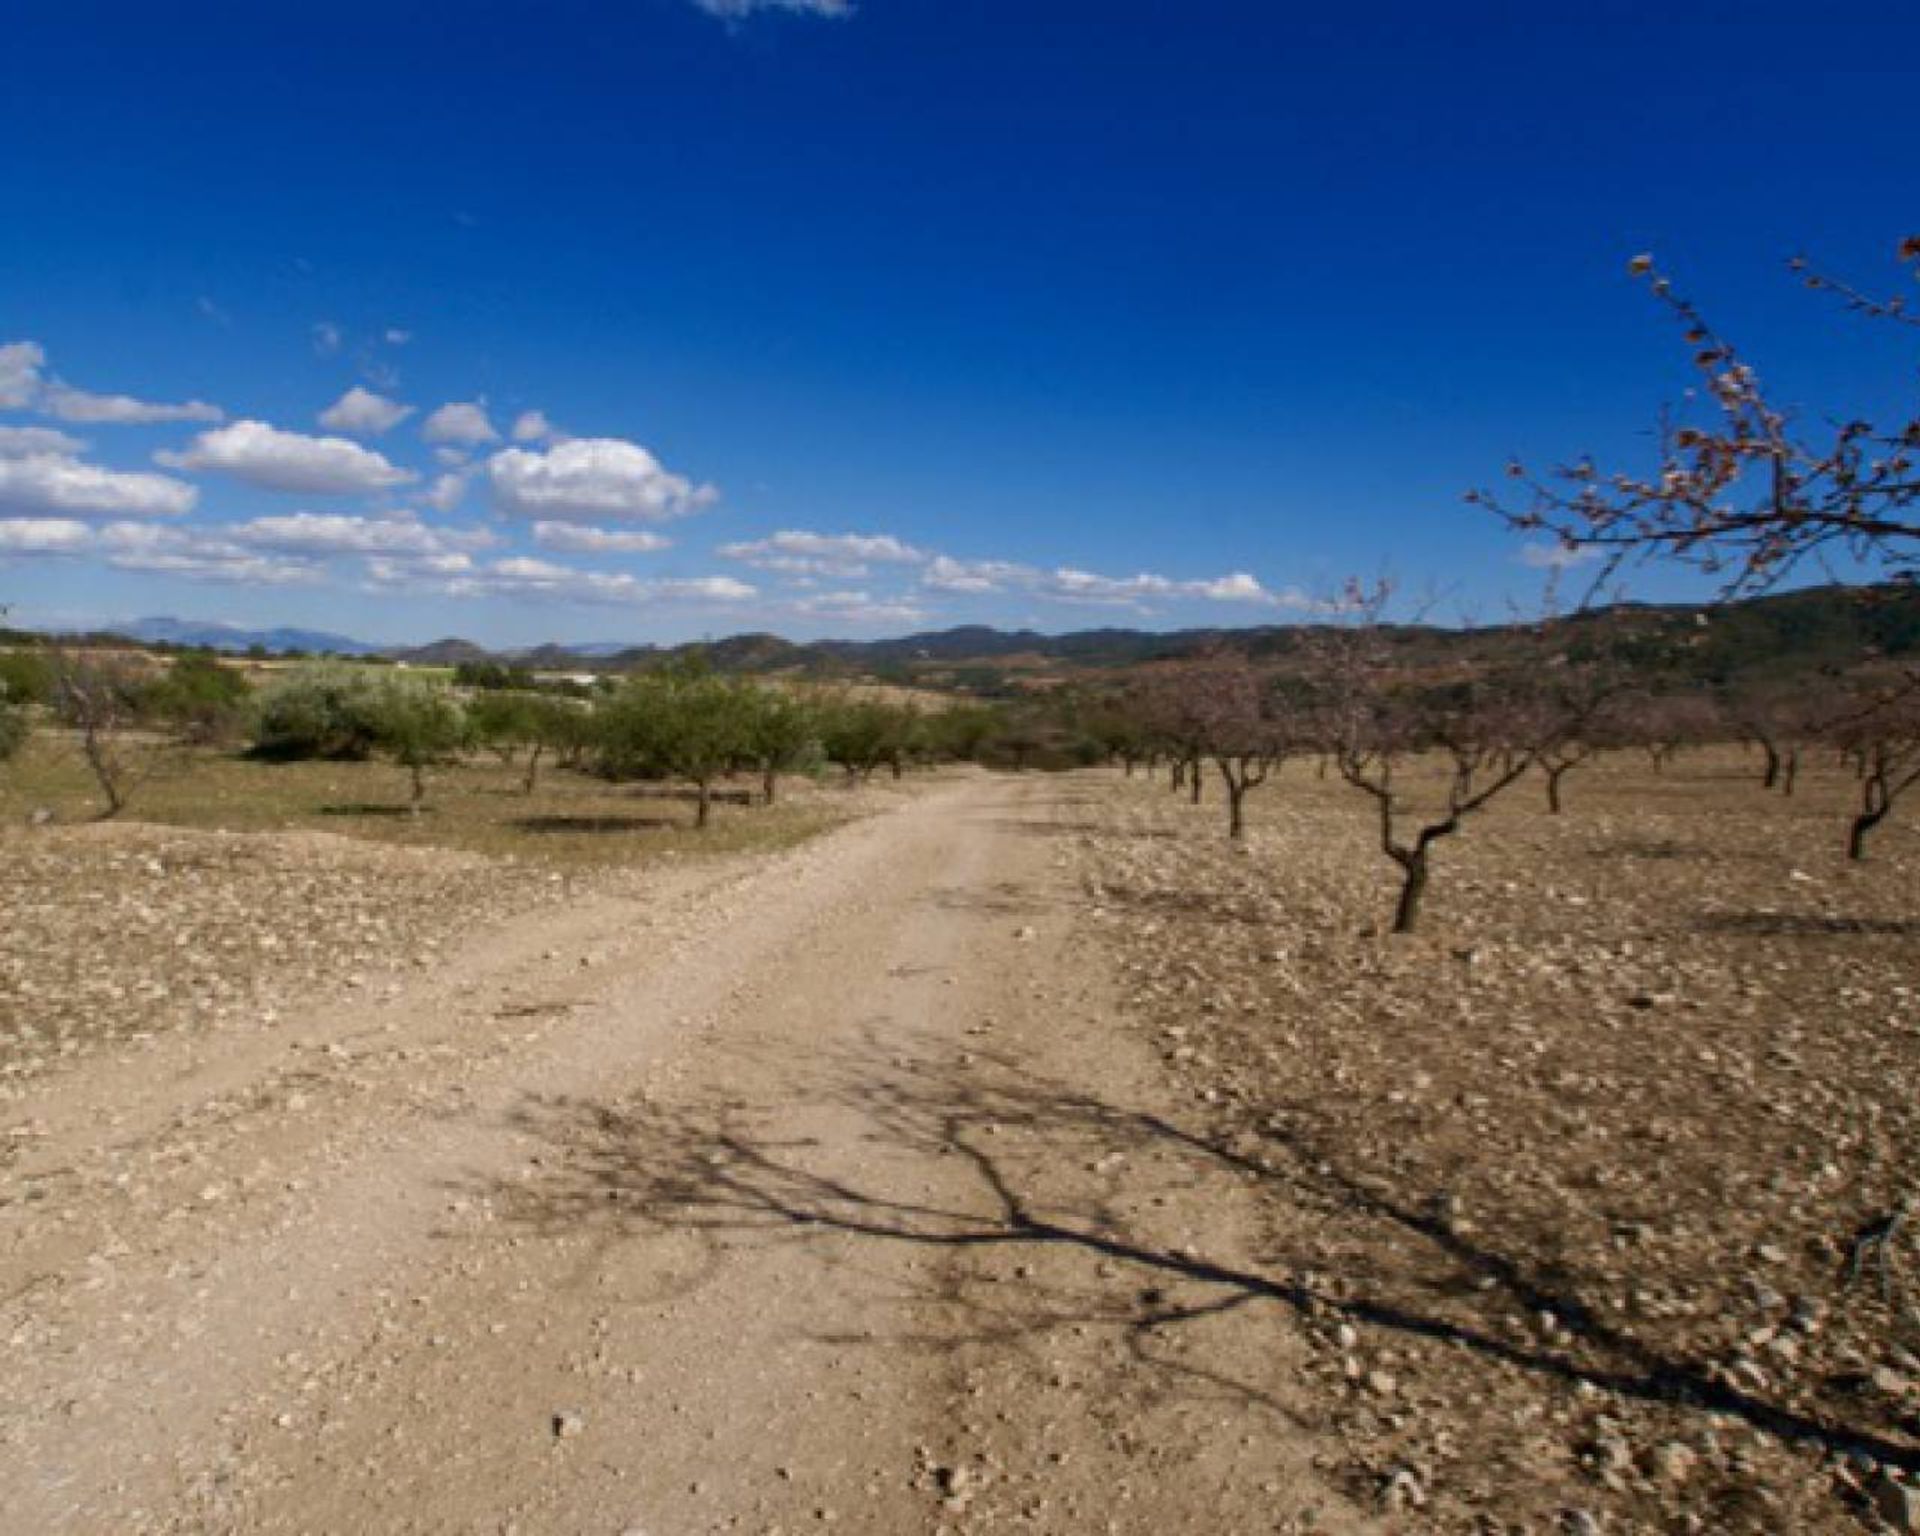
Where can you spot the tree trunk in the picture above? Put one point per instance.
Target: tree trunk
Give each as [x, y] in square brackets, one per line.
[701, 815]
[419, 773]
[1236, 821]
[1771, 779]
[533, 769]
[1406, 915]
[770, 783]
[1195, 781]
[1790, 771]
[1554, 776]
[100, 759]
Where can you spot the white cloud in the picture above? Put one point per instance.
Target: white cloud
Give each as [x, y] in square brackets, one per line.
[858, 608]
[333, 533]
[24, 384]
[327, 338]
[43, 536]
[266, 456]
[460, 421]
[532, 427]
[20, 366]
[446, 493]
[798, 553]
[65, 403]
[1067, 584]
[593, 479]
[17, 442]
[524, 576]
[739, 10]
[1557, 557]
[945, 574]
[363, 413]
[584, 539]
[166, 551]
[397, 337]
[63, 486]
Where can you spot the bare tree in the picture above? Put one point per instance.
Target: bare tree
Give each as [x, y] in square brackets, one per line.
[1749, 491]
[1776, 718]
[1234, 717]
[1880, 731]
[98, 696]
[1380, 726]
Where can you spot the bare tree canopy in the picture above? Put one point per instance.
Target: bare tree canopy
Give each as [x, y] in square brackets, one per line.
[1752, 490]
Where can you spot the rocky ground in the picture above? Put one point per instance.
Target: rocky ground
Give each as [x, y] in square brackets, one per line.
[1567, 1186]
[120, 932]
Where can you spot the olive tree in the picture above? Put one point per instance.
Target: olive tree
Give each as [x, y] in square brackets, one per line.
[677, 723]
[418, 723]
[782, 731]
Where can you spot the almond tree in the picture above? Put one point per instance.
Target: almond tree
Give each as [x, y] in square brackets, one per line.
[1235, 718]
[1778, 720]
[1379, 726]
[1880, 731]
[98, 696]
[1750, 491]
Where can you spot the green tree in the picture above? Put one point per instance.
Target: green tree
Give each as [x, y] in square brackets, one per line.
[323, 709]
[783, 728]
[416, 722]
[676, 723]
[201, 699]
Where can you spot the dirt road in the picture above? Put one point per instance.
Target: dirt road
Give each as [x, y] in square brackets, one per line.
[816, 1191]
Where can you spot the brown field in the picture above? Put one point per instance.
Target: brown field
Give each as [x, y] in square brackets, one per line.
[1019, 1155]
[1566, 1186]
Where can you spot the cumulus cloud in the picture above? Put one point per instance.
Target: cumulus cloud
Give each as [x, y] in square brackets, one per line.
[65, 403]
[166, 551]
[945, 574]
[858, 608]
[584, 539]
[593, 479]
[460, 421]
[17, 442]
[276, 460]
[363, 413]
[446, 493]
[25, 384]
[44, 536]
[332, 533]
[527, 577]
[327, 338]
[1066, 584]
[58, 484]
[532, 427]
[20, 365]
[799, 553]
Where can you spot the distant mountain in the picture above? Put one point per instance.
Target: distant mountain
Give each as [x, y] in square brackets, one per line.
[449, 652]
[234, 637]
[1799, 631]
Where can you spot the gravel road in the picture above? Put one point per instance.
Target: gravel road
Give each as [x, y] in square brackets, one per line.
[776, 1195]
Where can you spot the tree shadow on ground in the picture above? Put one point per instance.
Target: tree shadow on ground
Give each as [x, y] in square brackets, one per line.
[1781, 925]
[620, 823]
[721, 1171]
[372, 808]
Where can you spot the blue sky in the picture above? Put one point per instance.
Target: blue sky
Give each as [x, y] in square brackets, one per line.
[856, 318]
